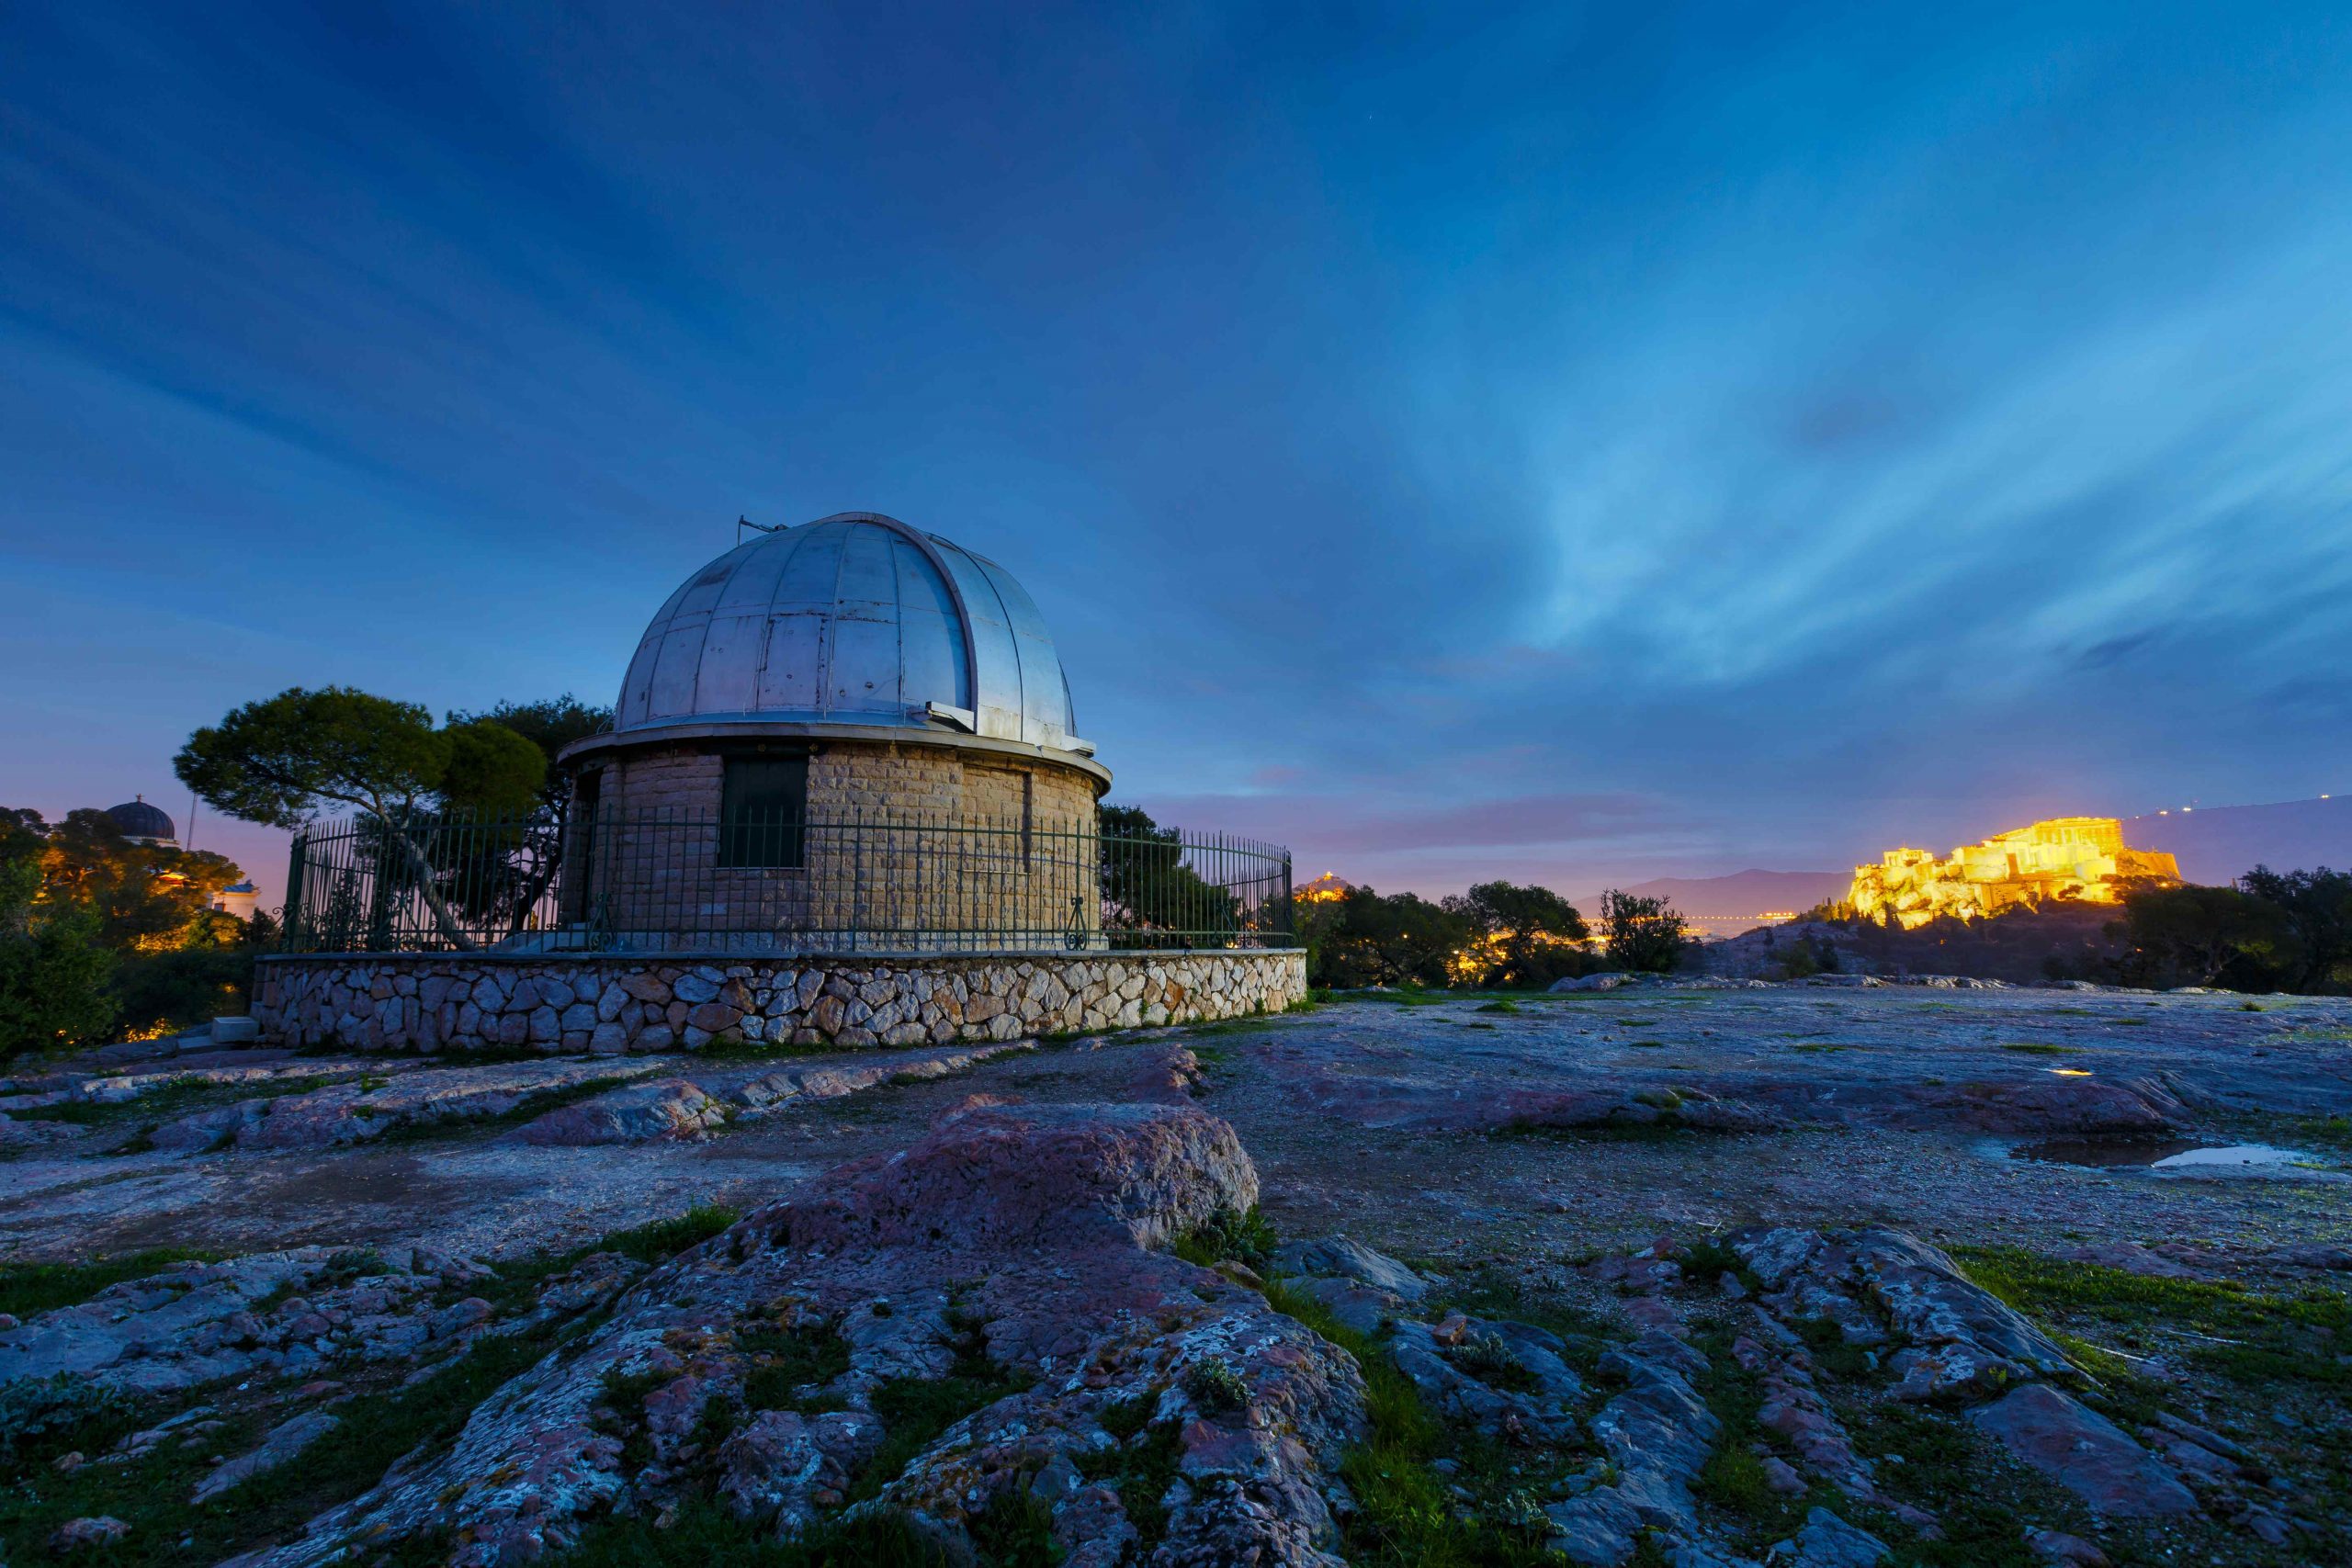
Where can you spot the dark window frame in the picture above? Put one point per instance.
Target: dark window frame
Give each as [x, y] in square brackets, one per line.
[764, 810]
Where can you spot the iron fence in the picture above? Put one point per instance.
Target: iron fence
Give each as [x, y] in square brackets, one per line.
[664, 881]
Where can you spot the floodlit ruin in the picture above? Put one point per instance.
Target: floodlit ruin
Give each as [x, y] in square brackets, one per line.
[2079, 858]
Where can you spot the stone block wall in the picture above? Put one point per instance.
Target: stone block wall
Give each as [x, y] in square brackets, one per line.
[1006, 854]
[429, 1001]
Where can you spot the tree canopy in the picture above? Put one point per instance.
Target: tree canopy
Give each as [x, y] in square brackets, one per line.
[54, 974]
[1642, 934]
[99, 932]
[280, 760]
[2317, 907]
[1366, 939]
[1523, 935]
[145, 897]
[550, 724]
[1147, 886]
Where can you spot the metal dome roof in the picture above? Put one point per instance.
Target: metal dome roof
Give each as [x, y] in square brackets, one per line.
[139, 820]
[852, 619]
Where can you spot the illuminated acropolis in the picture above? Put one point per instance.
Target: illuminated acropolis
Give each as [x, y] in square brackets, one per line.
[1328, 888]
[2078, 858]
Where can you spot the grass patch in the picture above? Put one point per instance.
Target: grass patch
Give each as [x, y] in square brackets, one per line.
[625, 1394]
[657, 1241]
[784, 1362]
[1015, 1531]
[1413, 999]
[1734, 1478]
[1225, 1236]
[2219, 1326]
[1509, 1006]
[379, 1426]
[176, 1098]
[704, 1534]
[1704, 1262]
[480, 1056]
[738, 1049]
[1212, 1055]
[915, 1411]
[29, 1288]
[1977, 1495]
[1487, 1358]
[1141, 1468]
[151, 1493]
[1254, 1024]
[2327, 1132]
[530, 1108]
[1482, 1291]
[1406, 1516]
[1830, 1350]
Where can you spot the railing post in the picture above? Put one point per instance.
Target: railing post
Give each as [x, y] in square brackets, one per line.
[297, 869]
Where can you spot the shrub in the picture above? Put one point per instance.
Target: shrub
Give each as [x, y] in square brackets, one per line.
[1245, 1238]
[1215, 1387]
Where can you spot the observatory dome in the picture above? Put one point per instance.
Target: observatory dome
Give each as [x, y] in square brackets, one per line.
[139, 820]
[855, 619]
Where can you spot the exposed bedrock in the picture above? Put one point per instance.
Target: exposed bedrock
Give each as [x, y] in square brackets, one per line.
[1951, 1342]
[2044, 1104]
[287, 1313]
[1020, 1237]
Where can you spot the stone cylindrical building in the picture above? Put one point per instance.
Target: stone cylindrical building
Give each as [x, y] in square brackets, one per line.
[842, 801]
[831, 734]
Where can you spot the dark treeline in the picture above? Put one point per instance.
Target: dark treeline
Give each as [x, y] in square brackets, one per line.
[2273, 931]
[102, 937]
[1499, 935]
[101, 934]
[2268, 932]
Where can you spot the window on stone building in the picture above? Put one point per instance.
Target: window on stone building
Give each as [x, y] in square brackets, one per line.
[763, 812]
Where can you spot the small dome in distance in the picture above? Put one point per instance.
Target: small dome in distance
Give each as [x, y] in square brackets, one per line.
[139, 820]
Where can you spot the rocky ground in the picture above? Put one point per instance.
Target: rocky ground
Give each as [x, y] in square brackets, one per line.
[1813, 1274]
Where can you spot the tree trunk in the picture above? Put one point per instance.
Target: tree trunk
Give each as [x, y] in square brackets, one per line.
[422, 871]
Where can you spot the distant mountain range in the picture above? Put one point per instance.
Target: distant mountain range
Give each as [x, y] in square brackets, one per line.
[2213, 845]
[2219, 843]
[1741, 895]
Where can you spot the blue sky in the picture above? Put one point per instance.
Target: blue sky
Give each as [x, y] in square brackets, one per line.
[1569, 444]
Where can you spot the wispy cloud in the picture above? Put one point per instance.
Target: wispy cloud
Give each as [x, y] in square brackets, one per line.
[1560, 443]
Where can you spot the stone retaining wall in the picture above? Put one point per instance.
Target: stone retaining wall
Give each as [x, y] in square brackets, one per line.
[434, 1001]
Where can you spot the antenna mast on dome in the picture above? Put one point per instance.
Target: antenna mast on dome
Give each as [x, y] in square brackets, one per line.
[742, 523]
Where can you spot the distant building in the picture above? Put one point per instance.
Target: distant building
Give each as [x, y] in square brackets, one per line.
[153, 826]
[1328, 888]
[2079, 858]
[145, 824]
[1720, 928]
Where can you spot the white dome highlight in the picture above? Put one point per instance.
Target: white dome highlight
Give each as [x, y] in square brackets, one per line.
[855, 619]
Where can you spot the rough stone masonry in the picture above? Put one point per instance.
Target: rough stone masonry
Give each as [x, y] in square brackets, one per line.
[475, 1001]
